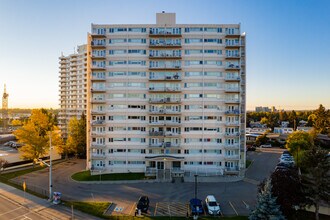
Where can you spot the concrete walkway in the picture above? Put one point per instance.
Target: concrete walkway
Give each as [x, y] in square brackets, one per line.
[40, 206]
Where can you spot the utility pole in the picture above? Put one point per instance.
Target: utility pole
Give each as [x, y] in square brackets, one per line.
[5, 109]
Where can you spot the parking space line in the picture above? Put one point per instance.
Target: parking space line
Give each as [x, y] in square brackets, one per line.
[246, 205]
[233, 207]
[156, 209]
[168, 207]
[130, 212]
[10, 211]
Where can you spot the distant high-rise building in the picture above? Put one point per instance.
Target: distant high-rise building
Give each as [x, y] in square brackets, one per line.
[73, 87]
[166, 98]
[263, 109]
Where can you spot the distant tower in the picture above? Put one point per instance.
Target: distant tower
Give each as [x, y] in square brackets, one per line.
[5, 109]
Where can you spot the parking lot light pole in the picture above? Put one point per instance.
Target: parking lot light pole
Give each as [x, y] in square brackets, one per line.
[50, 166]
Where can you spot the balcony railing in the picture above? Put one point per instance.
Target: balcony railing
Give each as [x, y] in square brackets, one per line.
[233, 44]
[174, 77]
[165, 56]
[156, 133]
[232, 89]
[229, 134]
[97, 112]
[164, 89]
[164, 100]
[98, 146]
[164, 123]
[170, 134]
[228, 101]
[98, 89]
[164, 44]
[98, 122]
[232, 123]
[232, 66]
[232, 56]
[98, 44]
[232, 157]
[232, 78]
[231, 146]
[232, 169]
[166, 67]
[164, 111]
[232, 112]
[98, 67]
[232, 32]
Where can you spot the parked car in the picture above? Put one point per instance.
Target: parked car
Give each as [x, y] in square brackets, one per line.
[251, 148]
[143, 204]
[266, 145]
[196, 206]
[286, 152]
[213, 207]
[287, 160]
[286, 156]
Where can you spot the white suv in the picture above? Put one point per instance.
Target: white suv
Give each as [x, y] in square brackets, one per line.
[213, 208]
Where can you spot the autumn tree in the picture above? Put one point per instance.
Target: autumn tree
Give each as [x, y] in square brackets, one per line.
[35, 135]
[76, 142]
[316, 177]
[16, 122]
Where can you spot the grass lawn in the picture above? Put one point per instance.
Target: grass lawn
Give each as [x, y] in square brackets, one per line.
[92, 208]
[248, 163]
[86, 176]
[15, 174]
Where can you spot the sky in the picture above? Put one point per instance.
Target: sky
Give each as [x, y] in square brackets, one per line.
[287, 55]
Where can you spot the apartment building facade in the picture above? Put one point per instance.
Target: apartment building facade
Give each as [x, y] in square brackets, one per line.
[166, 98]
[73, 87]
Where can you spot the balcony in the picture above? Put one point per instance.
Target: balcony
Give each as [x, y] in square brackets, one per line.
[164, 112]
[164, 123]
[156, 133]
[232, 123]
[100, 34]
[164, 89]
[98, 156]
[98, 122]
[164, 45]
[232, 101]
[164, 33]
[232, 90]
[164, 100]
[98, 134]
[97, 112]
[229, 134]
[233, 56]
[99, 45]
[98, 57]
[175, 77]
[165, 56]
[232, 78]
[156, 145]
[233, 33]
[232, 112]
[98, 90]
[98, 146]
[172, 134]
[232, 67]
[98, 67]
[233, 44]
[96, 78]
[231, 146]
[165, 67]
[232, 157]
[98, 101]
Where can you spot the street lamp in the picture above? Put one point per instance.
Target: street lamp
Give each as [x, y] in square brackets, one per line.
[195, 185]
[49, 165]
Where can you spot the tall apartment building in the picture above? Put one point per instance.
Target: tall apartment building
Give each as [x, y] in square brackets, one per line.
[73, 87]
[166, 98]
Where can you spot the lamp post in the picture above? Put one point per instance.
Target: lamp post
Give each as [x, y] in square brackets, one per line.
[50, 166]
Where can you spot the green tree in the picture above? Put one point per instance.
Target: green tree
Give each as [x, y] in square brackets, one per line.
[321, 123]
[264, 121]
[316, 177]
[262, 139]
[288, 189]
[297, 143]
[266, 207]
[35, 133]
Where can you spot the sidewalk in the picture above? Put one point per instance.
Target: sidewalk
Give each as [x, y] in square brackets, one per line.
[41, 206]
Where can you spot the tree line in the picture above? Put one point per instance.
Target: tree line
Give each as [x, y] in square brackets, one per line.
[319, 119]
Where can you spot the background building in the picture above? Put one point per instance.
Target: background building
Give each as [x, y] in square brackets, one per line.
[73, 83]
[166, 98]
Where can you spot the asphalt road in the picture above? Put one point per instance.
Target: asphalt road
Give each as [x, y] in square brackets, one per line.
[236, 198]
[10, 210]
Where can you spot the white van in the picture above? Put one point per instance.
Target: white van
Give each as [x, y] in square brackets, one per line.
[213, 208]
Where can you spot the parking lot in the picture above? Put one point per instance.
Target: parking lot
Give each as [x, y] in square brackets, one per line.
[166, 199]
